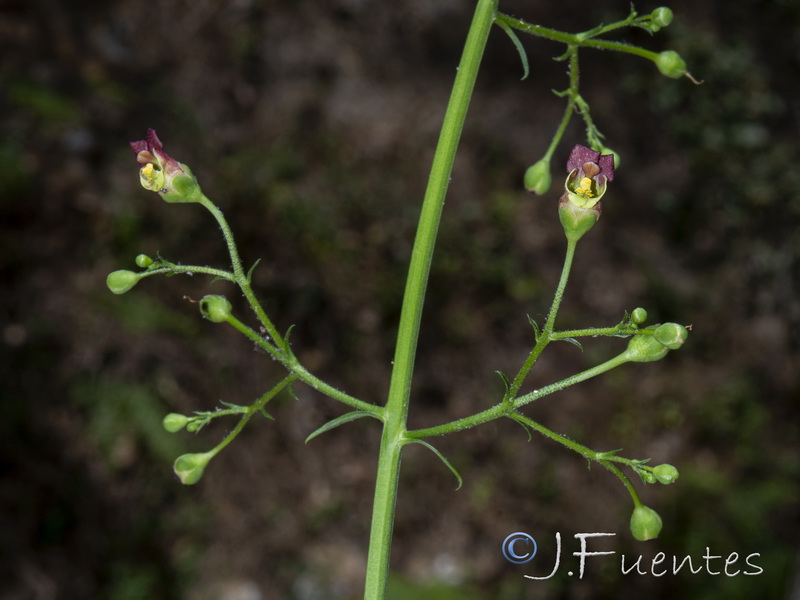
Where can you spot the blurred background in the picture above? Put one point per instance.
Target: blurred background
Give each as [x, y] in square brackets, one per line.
[312, 125]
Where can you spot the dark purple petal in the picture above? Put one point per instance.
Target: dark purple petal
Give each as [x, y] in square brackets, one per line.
[153, 143]
[580, 155]
[606, 164]
[139, 146]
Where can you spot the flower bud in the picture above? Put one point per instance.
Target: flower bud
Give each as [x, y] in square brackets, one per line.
[189, 467]
[143, 261]
[537, 177]
[645, 523]
[671, 335]
[665, 473]
[195, 425]
[661, 17]
[648, 477]
[671, 64]
[121, 281]
[215, 308]
[645, 348]
[174, 422]
[639, 315]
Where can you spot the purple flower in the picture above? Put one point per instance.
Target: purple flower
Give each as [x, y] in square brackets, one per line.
[589, 173]
[161, 173]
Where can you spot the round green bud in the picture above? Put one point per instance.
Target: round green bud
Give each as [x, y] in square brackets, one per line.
[120, 282]
[645, 348]
[143, 261]
[671, 64]
[665, 473]
[639, 315]
[215, 308]
[174, 422]
[193, 426]
[671, 335]
[661, 17]
[648, 477]
[645, 523]
[189, 467]
[537, 177]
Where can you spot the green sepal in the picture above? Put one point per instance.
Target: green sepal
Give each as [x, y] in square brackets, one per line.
[576, 221]
[443, 459]
[345, 418]
[182, 188]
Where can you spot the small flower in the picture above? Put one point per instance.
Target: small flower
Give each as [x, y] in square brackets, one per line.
[589, 173]
[163, 174]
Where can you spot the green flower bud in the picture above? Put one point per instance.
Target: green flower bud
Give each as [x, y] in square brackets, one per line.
[661, 17]
[143, 261]
[645, 523]
[577, 221]
[665, 473]
[645, 348]
[193, 426]
[671, 335]
[639, 315]
[216, 309]
[189, 467]
[121, 281]
[671, 64]
[537, 177]
[174, 422]
[647, 476]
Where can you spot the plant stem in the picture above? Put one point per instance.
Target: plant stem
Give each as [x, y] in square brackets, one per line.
[396, 410]
[240, 277]
[546, 335]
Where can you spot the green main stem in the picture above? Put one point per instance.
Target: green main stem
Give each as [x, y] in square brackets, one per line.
[396, 409]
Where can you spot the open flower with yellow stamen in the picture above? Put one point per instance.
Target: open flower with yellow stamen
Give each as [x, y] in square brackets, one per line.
[589, 173]
[163, 174]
